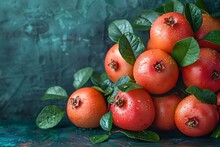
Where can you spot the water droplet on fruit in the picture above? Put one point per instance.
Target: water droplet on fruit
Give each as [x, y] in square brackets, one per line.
[148, 107]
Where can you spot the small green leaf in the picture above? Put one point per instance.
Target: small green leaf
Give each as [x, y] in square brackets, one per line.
[204, 95]
[107, 83]
[216, 132]
[102, 81]
[123, 80]
[106, 121]
[145, 20]
[97, 79]
[49, 117]
[186, 51]
[98, 138]
[99, 89]
[55, 92]
[108, 91]
[213, 36]
[145, 135]
[130, 47]
[111, 98]
[194, 16]
[200, 4]
[104, 76]
[129, 86]
[82, 76]
[117, 28]
[174, 6]
[160, 10]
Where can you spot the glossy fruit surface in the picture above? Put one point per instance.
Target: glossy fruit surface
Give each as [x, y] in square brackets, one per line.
[165, 109]
[218, 102]
[205, 72]
[156, 71]
[169, 28]
[194, 118]
[150, 45]
[209, 24]
[133, 110]
[115, 66]
[85, 107]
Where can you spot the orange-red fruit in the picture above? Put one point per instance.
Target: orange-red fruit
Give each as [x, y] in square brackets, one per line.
[205, 72]
[85, 107]
[218, 102]
[156, 71]
[150, 45]
[194, 118]
[133, 110]
[115, 66]
[169, 28]
[165, 107]
[209, 24]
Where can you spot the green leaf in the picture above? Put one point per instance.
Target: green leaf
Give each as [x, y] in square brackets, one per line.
[98, 138]
[174, 6]
[145, 135]
[194, 16]
[49, 117]
[117, 28]
[101, 80]
[106, 121]
[102, 83]
[99, 89]
[130, 47]
[95, 79]
[111, 98]
[82, 76]
[104, 76]
[145, 20]
[55, 92]
[129, 86]
[121, 81]
[200, 4]
[108, 91]
[160, 10]
[204, 95]
[98, 79]
[216, 132]
[186, 51]
[213, 36]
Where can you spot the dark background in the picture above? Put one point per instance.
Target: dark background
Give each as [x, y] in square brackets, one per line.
[44, 42]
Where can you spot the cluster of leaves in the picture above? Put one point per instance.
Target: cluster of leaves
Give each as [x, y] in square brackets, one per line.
[192, 11]
[51, 115]
[185, 52]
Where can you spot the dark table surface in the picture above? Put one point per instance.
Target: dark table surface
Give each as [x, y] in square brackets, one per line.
[25, 134]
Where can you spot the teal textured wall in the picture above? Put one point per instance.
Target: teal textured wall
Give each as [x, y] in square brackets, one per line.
[43, 42]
